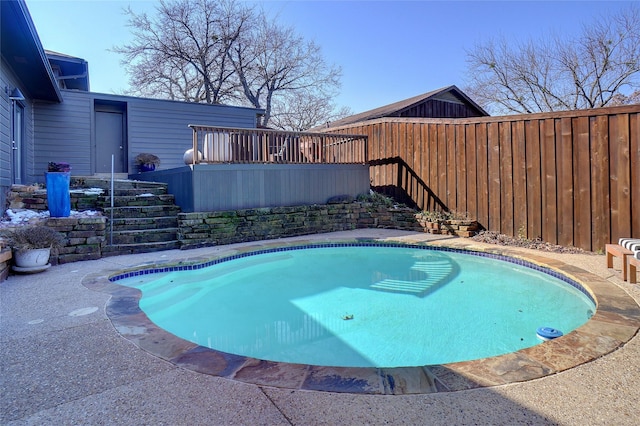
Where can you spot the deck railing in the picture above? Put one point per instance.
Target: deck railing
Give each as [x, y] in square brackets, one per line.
[236, 145]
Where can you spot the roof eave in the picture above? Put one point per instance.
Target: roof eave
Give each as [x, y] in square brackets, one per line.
[23, 52]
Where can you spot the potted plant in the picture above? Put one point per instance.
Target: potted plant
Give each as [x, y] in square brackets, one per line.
[147, 162]
[58, 177]
[32, 246]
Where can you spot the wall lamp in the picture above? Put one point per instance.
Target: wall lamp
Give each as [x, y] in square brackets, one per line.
[15, 94]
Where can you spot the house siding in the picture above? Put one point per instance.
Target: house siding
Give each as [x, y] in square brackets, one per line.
[8, 80]
[63, 133]
[66, 131]
[160, 127]
[5, 132]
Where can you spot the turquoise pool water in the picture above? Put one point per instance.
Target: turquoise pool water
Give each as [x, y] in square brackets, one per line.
[362, 306]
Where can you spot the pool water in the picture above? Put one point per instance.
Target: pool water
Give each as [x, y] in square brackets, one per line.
[362, 306]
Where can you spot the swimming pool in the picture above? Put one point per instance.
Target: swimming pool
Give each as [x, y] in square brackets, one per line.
[369, 305]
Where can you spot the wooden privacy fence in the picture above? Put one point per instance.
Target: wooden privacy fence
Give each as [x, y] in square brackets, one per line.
[570, 178]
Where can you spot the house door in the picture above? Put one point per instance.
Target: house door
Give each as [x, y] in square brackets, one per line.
[110, 140]
[17, 143]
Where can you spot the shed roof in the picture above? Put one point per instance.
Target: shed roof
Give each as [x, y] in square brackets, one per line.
[71, 71]
[397, 107]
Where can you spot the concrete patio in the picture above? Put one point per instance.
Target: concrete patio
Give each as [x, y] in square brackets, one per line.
[63, 362]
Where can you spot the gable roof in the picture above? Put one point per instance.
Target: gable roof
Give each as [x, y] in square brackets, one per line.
[451, 93]
[22, 50]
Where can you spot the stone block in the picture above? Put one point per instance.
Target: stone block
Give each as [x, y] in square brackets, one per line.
[80, 234]
[96, 240]
[76, 241]
[465, 234]
[62, 222]
[192, 216]
[101, 220]
[64, 250]
[88, 248]
[89, 227]
[190, 222]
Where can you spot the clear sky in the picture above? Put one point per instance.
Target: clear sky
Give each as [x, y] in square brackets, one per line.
[388, 50]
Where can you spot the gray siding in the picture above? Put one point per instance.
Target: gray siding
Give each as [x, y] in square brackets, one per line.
[180, 184]
[66, 131]
[63, 133]
[217, 187]
[160, 127]
[8, 80]
[5, 131]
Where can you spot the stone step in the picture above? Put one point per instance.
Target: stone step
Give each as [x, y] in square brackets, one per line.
[97, 182]
[142, 236]
[141, 211]
[144, 214]
[119, 192]
[142, 223]
[120, 249]
[137, 200]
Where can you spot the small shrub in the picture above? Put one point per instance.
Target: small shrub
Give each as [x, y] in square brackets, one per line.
[146, 158]
[58, 167]
[376, 198]
[34, 237]
[440, 216]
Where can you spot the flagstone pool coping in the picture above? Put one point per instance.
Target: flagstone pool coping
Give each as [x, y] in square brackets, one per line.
[615, 322]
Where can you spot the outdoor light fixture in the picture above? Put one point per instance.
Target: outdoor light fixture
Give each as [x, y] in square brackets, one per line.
[15, 94]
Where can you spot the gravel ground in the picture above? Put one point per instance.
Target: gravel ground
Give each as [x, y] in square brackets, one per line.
[492, 237]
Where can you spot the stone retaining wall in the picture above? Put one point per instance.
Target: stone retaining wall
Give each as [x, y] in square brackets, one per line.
[32, 197]
[217, 228]
[85, 238]
[459, 227]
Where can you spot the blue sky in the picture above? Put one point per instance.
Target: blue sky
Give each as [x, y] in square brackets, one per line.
[388, 50]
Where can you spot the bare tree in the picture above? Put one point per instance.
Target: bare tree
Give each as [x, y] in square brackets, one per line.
[272, 61]
[300, 111]
[217, 51]
[590, 71]
[622, 99]
[182, 51]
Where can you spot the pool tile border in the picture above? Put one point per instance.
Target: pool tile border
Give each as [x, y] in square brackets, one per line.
[616, 321]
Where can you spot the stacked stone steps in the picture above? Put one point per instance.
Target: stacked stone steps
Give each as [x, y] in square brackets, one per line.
[128, 200]
[143, 223]
[144, 236]
[119, 184]
[139, 192]
[119, 249]
[144, 217]
[138, 211]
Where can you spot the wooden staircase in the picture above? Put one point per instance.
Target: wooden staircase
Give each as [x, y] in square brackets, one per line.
[144, 217]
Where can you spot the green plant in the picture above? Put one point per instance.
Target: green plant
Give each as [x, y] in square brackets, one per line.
[522, 232]
[34, 237]
[376, 198]
[439, 216]
[146, 158]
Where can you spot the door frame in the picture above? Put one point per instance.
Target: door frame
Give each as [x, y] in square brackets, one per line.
[18, 152]
[116, 107]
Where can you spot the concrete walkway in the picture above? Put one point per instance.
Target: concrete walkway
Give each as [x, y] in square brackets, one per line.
[62, 362]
